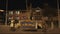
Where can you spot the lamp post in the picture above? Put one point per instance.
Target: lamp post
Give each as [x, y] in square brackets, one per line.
[6, 12]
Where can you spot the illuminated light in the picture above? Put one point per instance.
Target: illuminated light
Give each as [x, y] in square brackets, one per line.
[11, 25]
[40, 25]
[17, 12]
[11, 12]
[17, 25]
[37, 10]
[10, 17]
[1, 10]
[12, 21]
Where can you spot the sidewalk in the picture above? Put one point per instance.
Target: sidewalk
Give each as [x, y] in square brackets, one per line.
[6, 29]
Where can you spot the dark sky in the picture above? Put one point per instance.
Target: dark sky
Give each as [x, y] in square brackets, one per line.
[21, 4]
[2, 4]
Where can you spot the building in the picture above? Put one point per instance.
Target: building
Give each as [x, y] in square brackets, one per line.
[31, 15]
[2, 17]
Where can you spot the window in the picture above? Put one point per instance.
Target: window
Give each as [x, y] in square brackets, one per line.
[17, 12]
[10, 12]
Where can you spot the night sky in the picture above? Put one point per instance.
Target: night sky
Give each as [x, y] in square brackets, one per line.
[21, 4]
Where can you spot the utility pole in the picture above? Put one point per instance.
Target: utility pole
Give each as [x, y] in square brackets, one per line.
[26, 6]
[58, 13]
[6, 12]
